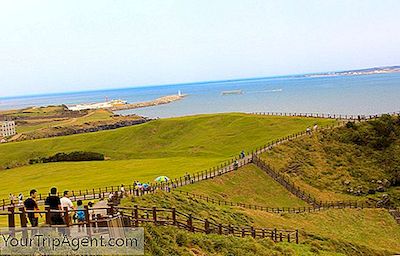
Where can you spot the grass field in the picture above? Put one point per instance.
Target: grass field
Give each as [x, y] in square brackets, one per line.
[41, 125]
[248, 185]
[34, 111]
[95, 174]
[142, 152]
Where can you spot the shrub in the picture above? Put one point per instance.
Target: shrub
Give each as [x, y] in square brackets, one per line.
[75, 156]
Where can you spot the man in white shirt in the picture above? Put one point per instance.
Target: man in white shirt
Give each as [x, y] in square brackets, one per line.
[122, 189]
[66, 202]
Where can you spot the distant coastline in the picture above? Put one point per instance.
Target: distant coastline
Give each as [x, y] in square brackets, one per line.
[348, 93]
[156, 102]
[358, 72]
[366, 71]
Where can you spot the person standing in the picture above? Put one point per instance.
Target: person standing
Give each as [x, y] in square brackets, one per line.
[66, 202]
[20, 199]
[80, 214]
[54, 203]
[31, 205]
[11, 197]
[122, 189]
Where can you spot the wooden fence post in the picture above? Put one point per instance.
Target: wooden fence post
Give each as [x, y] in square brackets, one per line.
[48, 215]
[190, 222]
[253, 232]
[87, 220]
[297, 236]
[66, 216]
[136, 215]
[24, 222]
[220, 229]
[206, 226]
[155, 215]
[22, 216]
[11, 220]
[174, 217]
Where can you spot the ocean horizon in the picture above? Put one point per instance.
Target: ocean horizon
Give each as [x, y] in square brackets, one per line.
[361, 94]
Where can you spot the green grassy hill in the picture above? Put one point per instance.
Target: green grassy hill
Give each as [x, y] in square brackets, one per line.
[345, 163]
[347, 231]
[162, 147]
[327, 232]
[173, 241]
[248, 185]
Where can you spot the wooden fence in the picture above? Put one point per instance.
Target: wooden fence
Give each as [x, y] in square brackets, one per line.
[298, 192]
[322, 205]
[323, 115]
[395, 212]
[137, 216]
[170, 216]
[91, 219]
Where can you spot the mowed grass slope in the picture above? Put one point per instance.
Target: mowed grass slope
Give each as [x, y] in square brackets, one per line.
[142, 152]
[249, 185]
[204, 135]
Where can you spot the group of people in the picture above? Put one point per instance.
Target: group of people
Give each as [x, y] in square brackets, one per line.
[54, 202]
[315, 128]
[14, 199]
[141, 186]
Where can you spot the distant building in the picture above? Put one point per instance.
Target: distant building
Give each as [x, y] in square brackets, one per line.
[7, 128]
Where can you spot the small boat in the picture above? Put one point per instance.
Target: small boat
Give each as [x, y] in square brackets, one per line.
[232, 92]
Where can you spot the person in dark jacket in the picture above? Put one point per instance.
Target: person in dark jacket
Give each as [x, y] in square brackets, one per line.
[54, 203]
[31, 205]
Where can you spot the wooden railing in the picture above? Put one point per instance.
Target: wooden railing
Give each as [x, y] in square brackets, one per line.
[324, 115]
[91, 219]
[395, 212]
[298, 192]
[137, 216]
[321, 205]
[170, 216]
[284, 181]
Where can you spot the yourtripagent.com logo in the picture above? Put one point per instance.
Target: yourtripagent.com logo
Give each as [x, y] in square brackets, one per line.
[72, 241]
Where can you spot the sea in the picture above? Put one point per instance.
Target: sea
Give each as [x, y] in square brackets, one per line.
[363, 94]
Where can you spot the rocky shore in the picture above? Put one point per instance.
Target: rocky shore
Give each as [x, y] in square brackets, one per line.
[158, 101]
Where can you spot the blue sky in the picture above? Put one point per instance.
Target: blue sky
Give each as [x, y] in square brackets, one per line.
[58, 46]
